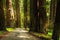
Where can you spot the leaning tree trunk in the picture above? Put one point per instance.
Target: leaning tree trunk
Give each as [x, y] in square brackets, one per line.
[9, 14]
[2, 17]
[55, 35]
[17, 4]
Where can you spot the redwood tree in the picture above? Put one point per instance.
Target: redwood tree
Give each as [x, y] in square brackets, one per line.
[33, 11]
[34, 17]
[25, 13]
[43, 16]
[9, 14]
[53, 5]
[17, 6]
[2, 17]
[55, 35]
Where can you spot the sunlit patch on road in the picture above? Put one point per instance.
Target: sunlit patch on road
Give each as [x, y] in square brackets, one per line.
[23, 37]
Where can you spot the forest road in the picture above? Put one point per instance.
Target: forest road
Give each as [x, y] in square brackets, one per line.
[19, 34]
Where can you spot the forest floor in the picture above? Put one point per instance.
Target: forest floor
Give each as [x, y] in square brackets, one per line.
[19, 34]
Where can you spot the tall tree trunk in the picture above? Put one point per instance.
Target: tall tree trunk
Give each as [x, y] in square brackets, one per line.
[2, 17]
[32, 15]
[9, 14]
[55, 35]
[17, 4]
[53, 5]
[34, 18]
[43, 16]
[25, 13]
[36, 15]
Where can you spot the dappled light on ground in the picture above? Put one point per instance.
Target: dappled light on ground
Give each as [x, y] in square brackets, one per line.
[19, 34]
[20, 30]
[23, 37]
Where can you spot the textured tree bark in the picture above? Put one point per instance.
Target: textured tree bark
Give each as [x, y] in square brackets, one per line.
[32, 16]
[18, 22]
[43, 16]
[55, 35]
[9, 14]
[37, 16]
[53, 5]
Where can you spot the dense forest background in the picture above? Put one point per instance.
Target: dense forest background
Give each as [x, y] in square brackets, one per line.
[40, 17]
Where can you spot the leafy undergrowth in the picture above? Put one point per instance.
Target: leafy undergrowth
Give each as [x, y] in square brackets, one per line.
[26, 29]
[4, 33]
[59, 38]
[47, 36]
[50, 31]
[41, 35]
[50, 34]
[10, 29]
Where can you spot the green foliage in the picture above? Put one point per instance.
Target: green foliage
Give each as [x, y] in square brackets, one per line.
[50, 34]
[41, 35]
[10, 29]
[59, 38]
[22, 13]
[13, 4]
[1, 32]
